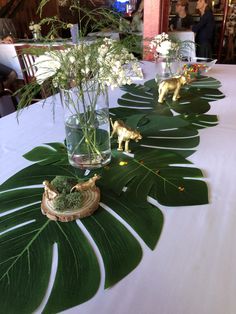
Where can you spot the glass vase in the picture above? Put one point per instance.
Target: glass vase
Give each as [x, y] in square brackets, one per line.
[167, 67]
[87, 126]
[36, 35]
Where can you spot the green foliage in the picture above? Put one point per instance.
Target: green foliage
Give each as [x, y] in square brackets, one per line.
[89, 19]
[63, 184]
[194, 99]
[56, 155]
[158, 168]
[66, 201]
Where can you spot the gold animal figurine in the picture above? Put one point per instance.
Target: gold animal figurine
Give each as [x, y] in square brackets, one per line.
[50, 191]
[84, 186]
[125, 134]
[172, 84]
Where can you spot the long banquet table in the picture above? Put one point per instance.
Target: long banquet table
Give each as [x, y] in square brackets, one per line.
[193, 267]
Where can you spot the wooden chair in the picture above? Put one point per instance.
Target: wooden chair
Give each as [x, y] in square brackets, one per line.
[27, 55]
[26, 59]
[8, 102]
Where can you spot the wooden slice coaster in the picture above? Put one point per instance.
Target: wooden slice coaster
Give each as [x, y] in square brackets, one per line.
[90, 203]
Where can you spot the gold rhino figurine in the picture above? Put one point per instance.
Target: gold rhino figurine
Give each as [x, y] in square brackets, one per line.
[125, 134]
[172, 84]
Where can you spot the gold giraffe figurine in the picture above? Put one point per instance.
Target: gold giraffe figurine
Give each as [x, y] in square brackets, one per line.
[84, 186]
[125, 134]
[50, 191]
[171, 85]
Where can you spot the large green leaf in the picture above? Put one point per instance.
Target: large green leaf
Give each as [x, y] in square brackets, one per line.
[26, 261]
[201, 121]
[26, 244]
[150, 172]
[142, 217]
[27, 239]
[162, 132]
[55, 153]
[194, 99]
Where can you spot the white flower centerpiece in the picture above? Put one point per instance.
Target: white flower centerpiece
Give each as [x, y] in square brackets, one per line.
[83, 73]
[36, 30]
[167, 51]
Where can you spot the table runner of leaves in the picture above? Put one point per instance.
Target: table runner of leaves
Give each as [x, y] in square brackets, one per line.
[158, 168]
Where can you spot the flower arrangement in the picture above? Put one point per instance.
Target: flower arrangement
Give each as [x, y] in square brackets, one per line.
[169, 51]
[168, 46]
[103, 62]
[162, 44]
[36, 28]
[82, 73]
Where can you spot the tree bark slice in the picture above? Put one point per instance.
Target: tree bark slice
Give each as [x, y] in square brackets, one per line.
[90, 203]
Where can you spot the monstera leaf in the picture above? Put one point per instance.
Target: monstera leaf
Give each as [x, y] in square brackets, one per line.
[194, 99]
[150, 172]
[52, 266]
[30, 243]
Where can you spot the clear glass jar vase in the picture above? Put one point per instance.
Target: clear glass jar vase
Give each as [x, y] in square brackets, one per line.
[87, 126]
[167, 67]
[36, 35]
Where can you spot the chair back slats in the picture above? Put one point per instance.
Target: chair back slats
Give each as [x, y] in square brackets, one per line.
[28, 61]
[27, 55]
[27, 58]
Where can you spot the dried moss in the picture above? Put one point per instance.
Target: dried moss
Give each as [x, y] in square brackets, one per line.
[70, 201]
[66, 200]
[63, 184]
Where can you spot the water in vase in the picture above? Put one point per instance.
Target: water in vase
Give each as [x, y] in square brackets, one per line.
[88, 140]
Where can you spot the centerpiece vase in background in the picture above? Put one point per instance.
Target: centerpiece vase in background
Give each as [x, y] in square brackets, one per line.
[87, 126]
[167, 66]
[36, 35]
[167, 63]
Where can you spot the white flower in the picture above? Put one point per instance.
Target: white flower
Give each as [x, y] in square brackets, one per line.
[103, 63]
[47, 66]
[72, 59]
[162, 44]
[34, 27]
[164, 47]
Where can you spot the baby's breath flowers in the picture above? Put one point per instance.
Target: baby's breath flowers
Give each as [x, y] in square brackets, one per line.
[161, 44]
[82, 73]
[164, 45]
[103, 62]
[35, 27]
[169, 51]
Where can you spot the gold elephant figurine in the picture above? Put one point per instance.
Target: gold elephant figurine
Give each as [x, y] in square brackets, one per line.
[171, 85]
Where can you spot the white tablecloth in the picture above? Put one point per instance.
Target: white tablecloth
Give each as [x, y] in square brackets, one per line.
[193, 268]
